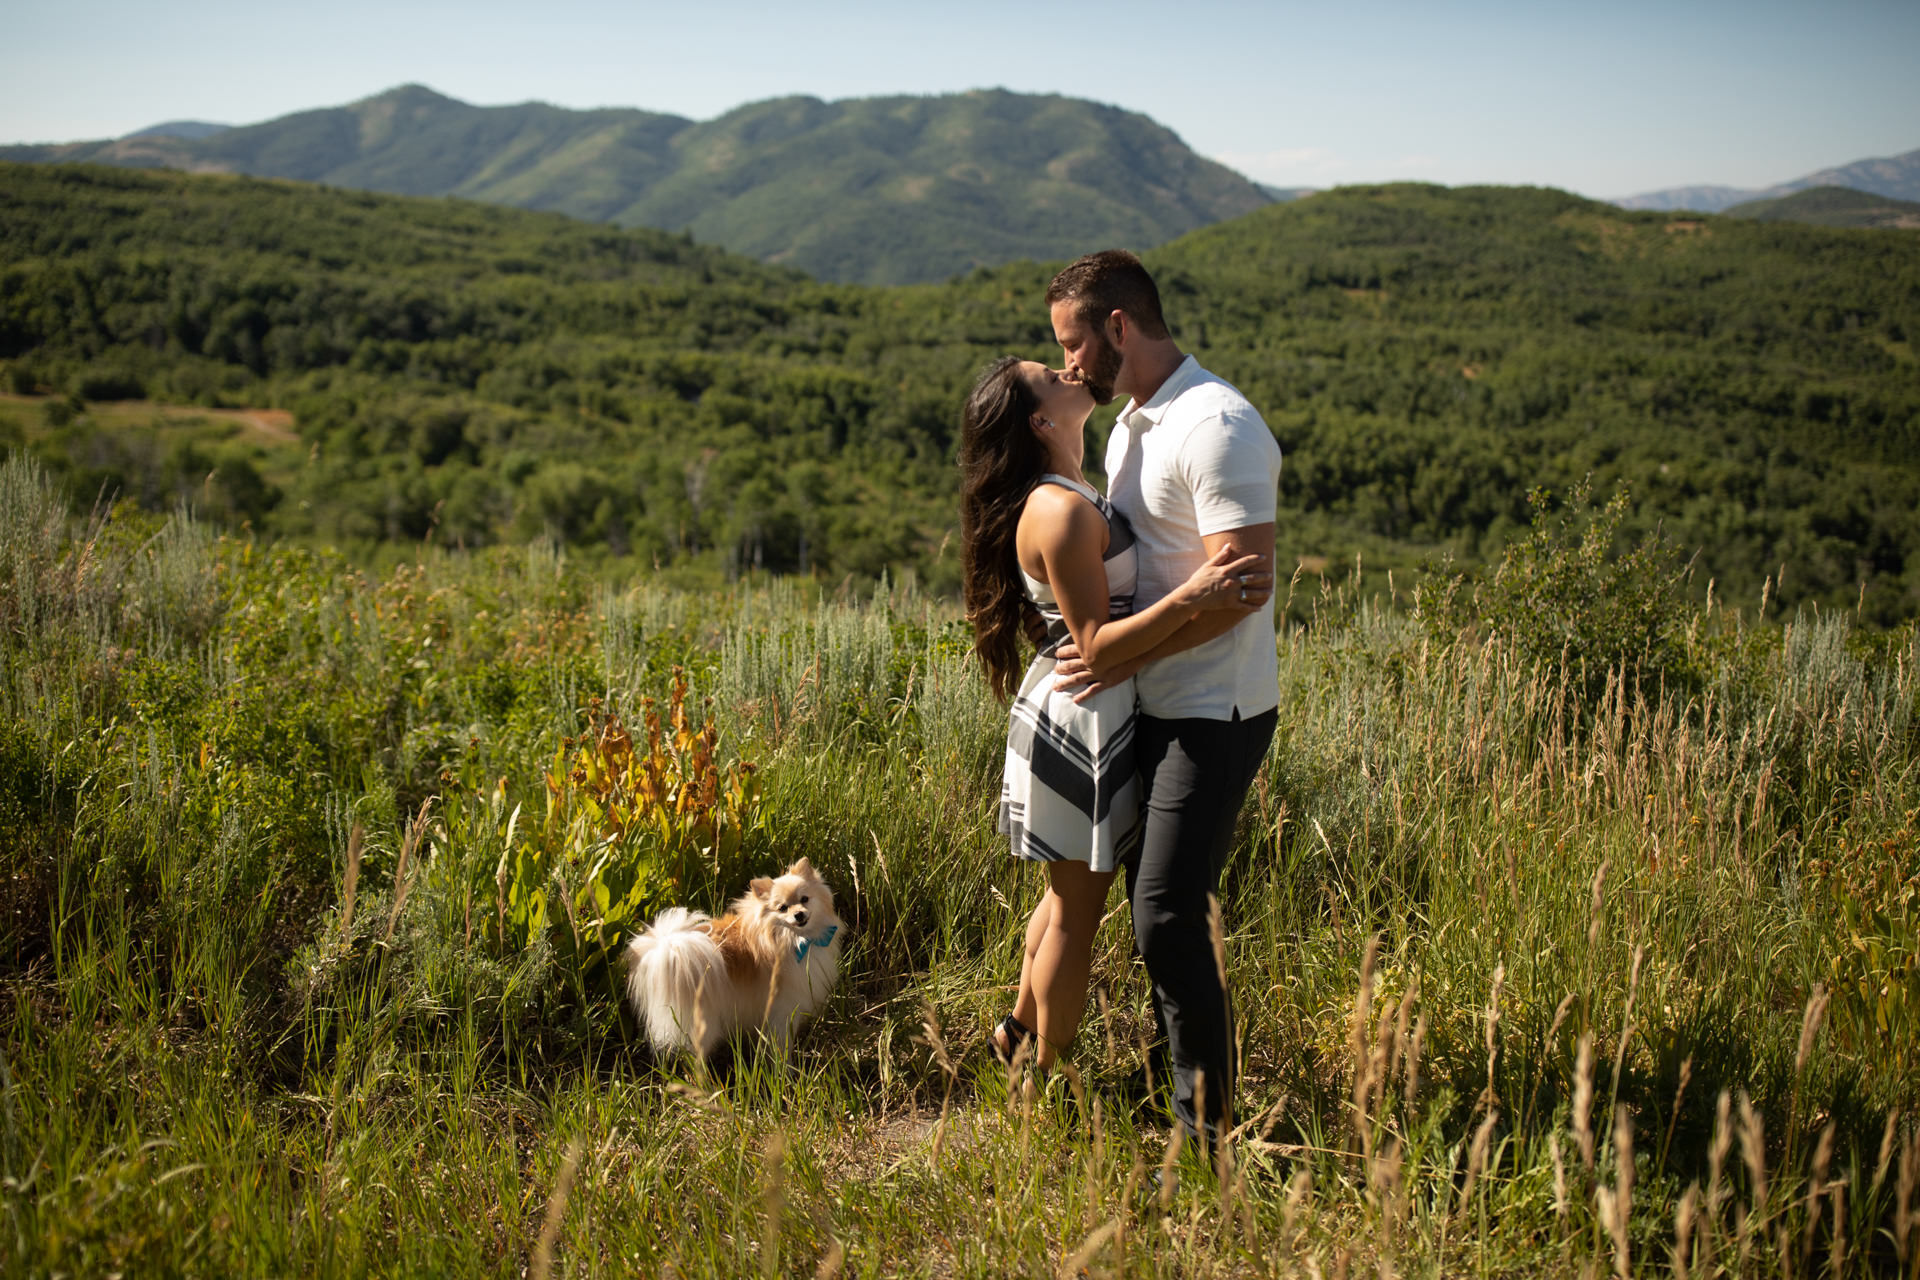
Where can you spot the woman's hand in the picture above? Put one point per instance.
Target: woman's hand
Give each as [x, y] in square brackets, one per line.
[1227, 581]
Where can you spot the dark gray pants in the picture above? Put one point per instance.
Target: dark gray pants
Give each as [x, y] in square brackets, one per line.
[1194, 775]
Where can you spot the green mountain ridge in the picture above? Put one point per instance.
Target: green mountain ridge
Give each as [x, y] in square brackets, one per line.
[1833, 207]
[465, 373]
[878, 190]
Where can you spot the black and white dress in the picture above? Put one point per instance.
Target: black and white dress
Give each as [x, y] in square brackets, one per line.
[1071, 791]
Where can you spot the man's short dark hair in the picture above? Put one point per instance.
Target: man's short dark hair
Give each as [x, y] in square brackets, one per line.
[1102, 283]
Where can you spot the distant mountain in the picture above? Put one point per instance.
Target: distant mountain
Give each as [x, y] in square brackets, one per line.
[191, 130]
[1280, 195]
[873, 190]
[1832, 207]
[1896, 176]
[1694, 199]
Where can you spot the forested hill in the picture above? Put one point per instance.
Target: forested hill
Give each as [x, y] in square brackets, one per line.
[464, 373]
[1833, 207]
[877, 190]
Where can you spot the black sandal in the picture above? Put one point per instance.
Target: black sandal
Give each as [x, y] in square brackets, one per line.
[1016, 1034]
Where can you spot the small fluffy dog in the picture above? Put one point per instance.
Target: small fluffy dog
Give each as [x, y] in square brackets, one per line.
[770, 961]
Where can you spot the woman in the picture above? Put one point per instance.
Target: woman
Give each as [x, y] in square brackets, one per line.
[1036, 534]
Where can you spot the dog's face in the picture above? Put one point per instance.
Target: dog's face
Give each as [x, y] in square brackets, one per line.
[798, 900]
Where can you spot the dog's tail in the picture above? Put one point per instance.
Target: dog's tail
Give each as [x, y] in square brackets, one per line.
[671, 967]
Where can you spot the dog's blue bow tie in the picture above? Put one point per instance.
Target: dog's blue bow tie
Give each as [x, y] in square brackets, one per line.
[803, 946]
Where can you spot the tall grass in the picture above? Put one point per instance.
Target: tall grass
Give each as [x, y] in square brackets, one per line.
[1524, 981]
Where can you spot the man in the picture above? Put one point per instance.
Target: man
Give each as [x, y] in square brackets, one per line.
[1192, 466]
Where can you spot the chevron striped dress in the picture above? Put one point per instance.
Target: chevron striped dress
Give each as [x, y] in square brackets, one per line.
[1071, 790]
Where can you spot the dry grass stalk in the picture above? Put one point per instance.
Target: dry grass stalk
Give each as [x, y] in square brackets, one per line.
[1402, 1020]
[832, 1261]
[1816, 1188]
[1886, 1153]
[1753, 1150]
[1619, 1201]
[1075, 1263]
[1017, 1069]
[1583, 1099]
[773, 1198]
[1146, 1061]
[1071, 1074]
[1489, 1098]
[1029, 1096]
[1357, 1046]
[1679, 1092]
[1717, 1157]
[1810, 1022]
[1249, 1227]
[1683, 1220]
[356, 843]
[540, 1266]
[1559, 1177]
[1134, 1175]
[402, 882]
[1386, 1185]
[1595, 913]
[1169, 1174]
[1413, 1059]
[1626, 1023]
[1096, 1159]
[1477, 1159]
[1905, 1213]
[1837, 1239]
[1298, 1187]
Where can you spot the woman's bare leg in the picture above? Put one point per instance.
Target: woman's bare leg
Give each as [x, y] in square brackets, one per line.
[1057, 969]
[1025, 1008]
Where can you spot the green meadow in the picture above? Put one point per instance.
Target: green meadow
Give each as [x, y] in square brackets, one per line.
[1573, 924]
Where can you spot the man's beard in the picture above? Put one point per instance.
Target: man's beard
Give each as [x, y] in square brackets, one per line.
[1098, 378]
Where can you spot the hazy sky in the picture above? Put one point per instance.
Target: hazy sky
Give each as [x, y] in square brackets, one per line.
[1602, 98]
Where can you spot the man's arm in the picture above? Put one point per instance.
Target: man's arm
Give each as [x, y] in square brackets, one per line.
[1070, 672]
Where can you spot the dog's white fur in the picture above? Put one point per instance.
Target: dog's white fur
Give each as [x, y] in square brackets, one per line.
[696, 981]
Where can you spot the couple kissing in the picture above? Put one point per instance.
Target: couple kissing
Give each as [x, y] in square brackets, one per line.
[1135, 731]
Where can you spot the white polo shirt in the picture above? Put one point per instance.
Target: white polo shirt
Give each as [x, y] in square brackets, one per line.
[1196, 459]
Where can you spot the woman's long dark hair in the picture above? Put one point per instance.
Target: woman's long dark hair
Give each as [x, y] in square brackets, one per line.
[1000, 460]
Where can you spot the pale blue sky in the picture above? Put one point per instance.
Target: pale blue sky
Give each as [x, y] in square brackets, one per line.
[1606, 99]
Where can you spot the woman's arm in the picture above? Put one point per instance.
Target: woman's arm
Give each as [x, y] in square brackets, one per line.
[1088, 678]
[1068, 536]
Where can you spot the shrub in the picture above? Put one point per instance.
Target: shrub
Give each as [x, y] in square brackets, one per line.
[109, 384]
[1563, 594]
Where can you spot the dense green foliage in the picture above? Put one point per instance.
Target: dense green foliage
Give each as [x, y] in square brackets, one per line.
[1426, 357]
[1832, 207]
[878, 190]
[463, 374]
[1500, 957]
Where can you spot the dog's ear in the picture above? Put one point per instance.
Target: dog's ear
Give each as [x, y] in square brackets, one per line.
[803, 869]
[761, 887]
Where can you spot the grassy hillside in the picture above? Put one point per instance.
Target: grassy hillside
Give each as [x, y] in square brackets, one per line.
[312, 878]
[465, 374]
[878, 190]
[1833, 207]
